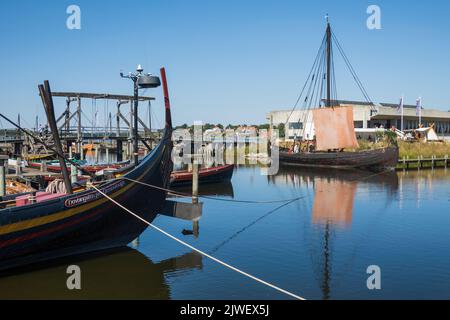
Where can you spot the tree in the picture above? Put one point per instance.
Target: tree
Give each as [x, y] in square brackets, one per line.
[281, 130]
[265, 126]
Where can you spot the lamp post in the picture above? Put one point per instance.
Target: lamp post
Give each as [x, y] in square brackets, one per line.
[140, 81]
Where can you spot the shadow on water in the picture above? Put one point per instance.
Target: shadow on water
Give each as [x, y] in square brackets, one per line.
[123, 274]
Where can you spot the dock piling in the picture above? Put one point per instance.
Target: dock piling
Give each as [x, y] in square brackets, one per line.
[3, 159]
[195, 180]
[19, 166]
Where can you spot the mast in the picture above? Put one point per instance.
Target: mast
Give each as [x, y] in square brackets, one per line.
[47, 100]
[328, 104]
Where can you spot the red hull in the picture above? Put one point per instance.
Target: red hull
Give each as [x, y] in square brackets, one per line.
[206, 175]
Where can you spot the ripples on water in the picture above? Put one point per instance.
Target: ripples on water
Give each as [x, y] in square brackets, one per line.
[318, 247]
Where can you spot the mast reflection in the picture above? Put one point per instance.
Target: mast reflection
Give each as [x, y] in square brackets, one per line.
[332, 207]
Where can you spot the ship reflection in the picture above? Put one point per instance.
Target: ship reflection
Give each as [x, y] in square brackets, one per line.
[334, 191]
[332, 208]
[124, 274]
[333, 201]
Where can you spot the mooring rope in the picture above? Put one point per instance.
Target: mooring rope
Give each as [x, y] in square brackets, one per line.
[199, 251]
[187, 195]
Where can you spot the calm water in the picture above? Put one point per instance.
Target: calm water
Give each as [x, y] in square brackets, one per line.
[318, 247]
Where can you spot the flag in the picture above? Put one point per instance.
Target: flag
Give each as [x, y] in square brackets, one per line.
[418, 106]
[400, 105]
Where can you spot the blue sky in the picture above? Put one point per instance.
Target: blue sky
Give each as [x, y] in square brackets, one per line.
[227, 61]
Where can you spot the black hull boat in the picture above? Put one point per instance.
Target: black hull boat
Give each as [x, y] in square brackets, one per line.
[86, 221]
[378, 159]
[327, 128]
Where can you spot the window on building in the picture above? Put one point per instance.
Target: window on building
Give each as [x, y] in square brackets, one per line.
[358, 124]
[295, 125]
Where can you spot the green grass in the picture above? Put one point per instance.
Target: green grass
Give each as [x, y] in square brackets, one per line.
[413, 150]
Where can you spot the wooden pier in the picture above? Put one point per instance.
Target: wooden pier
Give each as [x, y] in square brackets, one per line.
[116, 135]
[423, 163]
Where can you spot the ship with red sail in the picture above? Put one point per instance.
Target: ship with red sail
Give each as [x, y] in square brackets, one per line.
[331, 141]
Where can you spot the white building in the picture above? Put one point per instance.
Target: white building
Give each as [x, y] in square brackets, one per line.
[365, 116]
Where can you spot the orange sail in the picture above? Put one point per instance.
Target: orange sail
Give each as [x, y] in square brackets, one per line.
[334, 128]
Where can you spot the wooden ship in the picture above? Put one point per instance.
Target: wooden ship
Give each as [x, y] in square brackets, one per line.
[333, 126]
[41, 226]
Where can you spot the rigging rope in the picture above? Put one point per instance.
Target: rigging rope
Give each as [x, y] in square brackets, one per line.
[352, 70]
[315, 90]
[307, 80]
[199, 251]
[223, 243]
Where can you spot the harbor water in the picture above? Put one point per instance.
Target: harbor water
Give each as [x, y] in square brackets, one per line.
[318, 246]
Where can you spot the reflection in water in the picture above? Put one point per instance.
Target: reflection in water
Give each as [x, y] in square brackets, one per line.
[319, 246]
[332, 206]
[126, 274]
[334, 190]
[333, 201]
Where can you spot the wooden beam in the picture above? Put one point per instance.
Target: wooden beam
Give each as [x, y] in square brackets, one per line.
[99, 96]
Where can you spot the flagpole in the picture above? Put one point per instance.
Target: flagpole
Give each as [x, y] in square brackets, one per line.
[403, 102]
[420, 111]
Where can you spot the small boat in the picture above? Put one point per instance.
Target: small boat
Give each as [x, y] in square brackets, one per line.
[206, 175]
[58, 225]
[34, 157]
[327, 138]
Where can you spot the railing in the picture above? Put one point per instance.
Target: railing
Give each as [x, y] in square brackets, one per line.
[420, 163]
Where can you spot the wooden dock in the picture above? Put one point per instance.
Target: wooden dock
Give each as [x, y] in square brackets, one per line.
[423, 163]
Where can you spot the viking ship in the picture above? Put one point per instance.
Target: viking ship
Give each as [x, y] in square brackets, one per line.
[60, 225]
[329, 139]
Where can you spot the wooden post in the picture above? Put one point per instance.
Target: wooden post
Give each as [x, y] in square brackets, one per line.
[196, 228]
[195, 180]
[96, 154]
[107, 154]
[69, 146]
[3, 159]
[67, 117]
[119, 150]
[79, 133]
[130, 126]
[18, 166]
[46, 96]
[118, 120]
